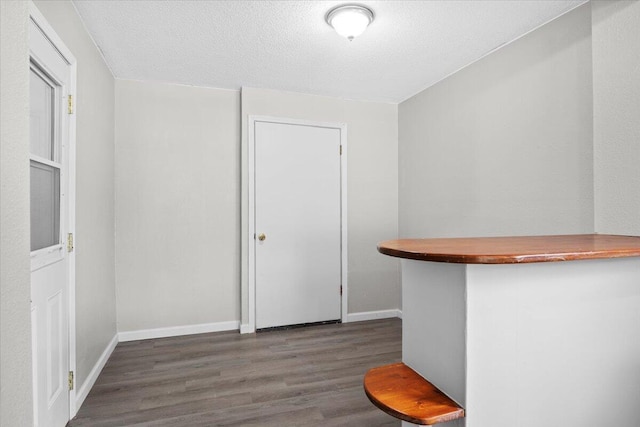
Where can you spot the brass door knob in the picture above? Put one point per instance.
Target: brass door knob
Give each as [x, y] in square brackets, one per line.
[262, 236]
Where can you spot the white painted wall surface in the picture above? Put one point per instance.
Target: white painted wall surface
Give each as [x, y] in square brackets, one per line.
[554, 343]
[504, 146]
[434, 326]
[15, 311]
[372, 189]
[177, 205]
[616, 116]
[94, 240]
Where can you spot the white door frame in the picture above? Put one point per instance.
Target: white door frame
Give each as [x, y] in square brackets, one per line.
[39, 20]
[251, 242]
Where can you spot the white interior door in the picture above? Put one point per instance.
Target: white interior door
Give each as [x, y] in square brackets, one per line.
[297, 224]
[49, 88]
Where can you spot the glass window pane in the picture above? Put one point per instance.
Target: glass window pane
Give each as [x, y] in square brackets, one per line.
[45, 206]
[41, 117]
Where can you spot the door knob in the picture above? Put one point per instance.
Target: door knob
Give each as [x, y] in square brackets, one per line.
[262, 236]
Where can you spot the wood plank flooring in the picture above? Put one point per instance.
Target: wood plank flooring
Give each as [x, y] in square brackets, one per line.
[309, 376]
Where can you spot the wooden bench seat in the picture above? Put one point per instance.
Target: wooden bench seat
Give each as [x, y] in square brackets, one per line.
[401, 392]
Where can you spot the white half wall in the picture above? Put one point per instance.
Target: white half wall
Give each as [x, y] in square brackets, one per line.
[553, 343]
[504, 146]
[372, 187]
[177, 205]
[616, 116]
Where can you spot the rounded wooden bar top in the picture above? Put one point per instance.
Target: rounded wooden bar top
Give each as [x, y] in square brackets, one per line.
[514, 250]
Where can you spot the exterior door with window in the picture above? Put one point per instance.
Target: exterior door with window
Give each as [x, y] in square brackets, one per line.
[50, 83]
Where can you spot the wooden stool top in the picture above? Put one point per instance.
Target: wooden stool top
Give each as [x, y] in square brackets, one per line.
[402, 393]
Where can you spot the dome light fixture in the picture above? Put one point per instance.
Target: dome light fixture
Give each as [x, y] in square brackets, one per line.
[350, 20]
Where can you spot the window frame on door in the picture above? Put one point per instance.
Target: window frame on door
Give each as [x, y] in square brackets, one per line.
[41, 257]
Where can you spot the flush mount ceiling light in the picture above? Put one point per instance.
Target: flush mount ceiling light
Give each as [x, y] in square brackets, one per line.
[349, 20]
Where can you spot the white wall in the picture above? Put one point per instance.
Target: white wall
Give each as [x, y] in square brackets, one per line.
[504, 146]
[15, 289]
[177, 205]
[94, 240]
[372, 199]
[616, 116]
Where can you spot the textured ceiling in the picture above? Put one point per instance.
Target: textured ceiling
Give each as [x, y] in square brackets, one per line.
[287, 45]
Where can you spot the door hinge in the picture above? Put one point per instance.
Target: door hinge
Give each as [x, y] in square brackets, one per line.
[341, 150]
[340, 289]
[70, 242]
[70, 380]
[70, 104]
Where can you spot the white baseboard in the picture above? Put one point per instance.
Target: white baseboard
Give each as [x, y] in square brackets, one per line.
[88, 383]
[373, 315]
[245, 328]
[174, 331]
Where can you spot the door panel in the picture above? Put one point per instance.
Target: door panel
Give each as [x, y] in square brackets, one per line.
[297, 208]
[50, 310]
[55, 350]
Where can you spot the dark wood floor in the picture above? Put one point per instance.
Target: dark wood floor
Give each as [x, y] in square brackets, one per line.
[297, 377]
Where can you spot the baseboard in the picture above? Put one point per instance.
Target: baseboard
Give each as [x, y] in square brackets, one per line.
[174, 331]
[245, 328]
[88, 383]
[373, 315]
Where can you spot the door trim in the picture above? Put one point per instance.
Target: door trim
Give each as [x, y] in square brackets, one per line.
[39, 20]
[251, 243]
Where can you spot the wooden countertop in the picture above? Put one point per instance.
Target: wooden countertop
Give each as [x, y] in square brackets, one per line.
[514, 250]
